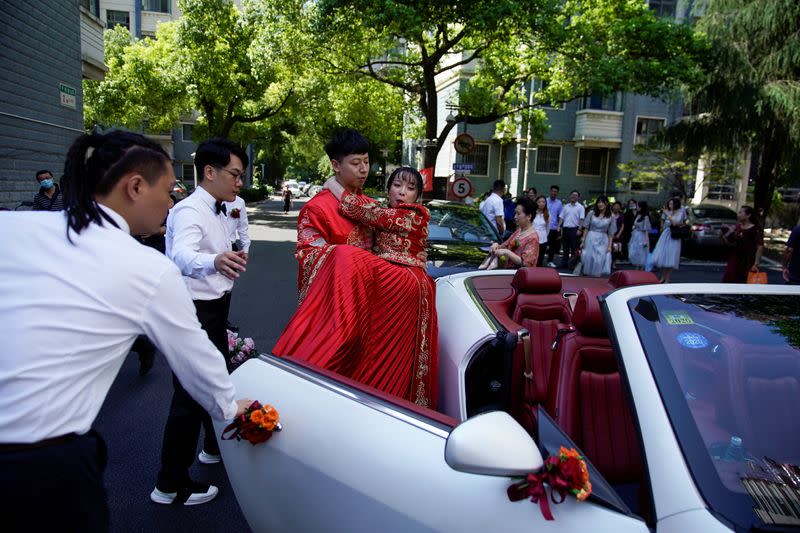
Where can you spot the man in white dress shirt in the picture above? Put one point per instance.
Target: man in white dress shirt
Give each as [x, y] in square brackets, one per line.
[492, 207]
[106, 289]
[239, 235]
[198, 241]
[569, 224]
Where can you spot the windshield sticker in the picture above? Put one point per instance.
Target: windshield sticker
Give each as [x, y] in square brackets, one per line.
[688, 339]
[677, 318]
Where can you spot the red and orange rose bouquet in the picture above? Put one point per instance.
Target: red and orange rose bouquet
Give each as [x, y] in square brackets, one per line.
[255, 425]
[565, 473]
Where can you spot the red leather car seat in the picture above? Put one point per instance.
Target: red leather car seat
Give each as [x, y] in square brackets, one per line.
[540, 308]
[586, 398]
[629, 278]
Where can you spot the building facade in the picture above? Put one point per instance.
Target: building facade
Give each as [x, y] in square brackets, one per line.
[588, 138]
[41, 101]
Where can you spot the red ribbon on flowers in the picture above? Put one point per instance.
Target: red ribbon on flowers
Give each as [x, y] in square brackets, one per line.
[564, 473]
[255, 425]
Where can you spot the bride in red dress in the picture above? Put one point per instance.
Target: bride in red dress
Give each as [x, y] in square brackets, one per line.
[368, 317]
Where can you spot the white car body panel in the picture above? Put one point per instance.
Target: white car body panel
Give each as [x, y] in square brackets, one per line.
[341, 464]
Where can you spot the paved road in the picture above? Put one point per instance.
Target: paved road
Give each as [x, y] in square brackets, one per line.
[132, 419]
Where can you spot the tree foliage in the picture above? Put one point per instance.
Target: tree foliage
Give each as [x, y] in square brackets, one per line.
[575, 46]
[750, 97]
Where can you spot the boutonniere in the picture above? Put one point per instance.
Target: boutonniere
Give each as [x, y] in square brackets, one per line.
[236, 213]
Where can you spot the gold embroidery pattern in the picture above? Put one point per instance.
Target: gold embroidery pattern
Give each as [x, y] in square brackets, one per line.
[311, 265]
[423, 356]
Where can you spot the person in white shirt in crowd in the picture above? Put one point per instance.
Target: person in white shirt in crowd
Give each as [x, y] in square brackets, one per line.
[569, 221]
[106, 289]
[198, 241]
[492, 207]
[239, 236]
[541, 223]
[554, 208]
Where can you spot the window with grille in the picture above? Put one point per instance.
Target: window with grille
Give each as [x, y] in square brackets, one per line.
[118, 18]
[479, 158]
[93, 6]
[187, 132]
[548, 159]
[663, 8]
[647, 127]
[590, 161]
[158, 6]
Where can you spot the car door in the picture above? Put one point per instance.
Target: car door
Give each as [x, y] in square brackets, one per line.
[348, 460]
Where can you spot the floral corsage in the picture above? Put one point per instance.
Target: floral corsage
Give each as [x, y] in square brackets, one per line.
[240, 349]
[256, 425]
[236, 212]
[564, 473]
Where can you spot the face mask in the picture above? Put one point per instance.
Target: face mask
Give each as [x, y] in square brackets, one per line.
[632, 207]
[46, 184]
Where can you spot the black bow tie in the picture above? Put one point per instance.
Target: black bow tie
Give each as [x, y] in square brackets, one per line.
[219, 207]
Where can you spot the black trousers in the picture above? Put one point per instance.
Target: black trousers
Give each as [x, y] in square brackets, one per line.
[186, 416]
[553, 244]
[56, 487]
[571, 244]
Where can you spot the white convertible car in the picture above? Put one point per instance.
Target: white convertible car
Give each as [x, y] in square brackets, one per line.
[683, 398]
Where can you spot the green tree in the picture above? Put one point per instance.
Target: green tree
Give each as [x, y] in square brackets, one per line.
[236, 67]
[750, 97]
[575, 46]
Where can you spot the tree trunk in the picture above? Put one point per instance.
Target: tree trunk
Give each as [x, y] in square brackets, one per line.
[767, 174]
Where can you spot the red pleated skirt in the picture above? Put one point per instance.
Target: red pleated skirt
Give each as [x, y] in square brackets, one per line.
[370, 320]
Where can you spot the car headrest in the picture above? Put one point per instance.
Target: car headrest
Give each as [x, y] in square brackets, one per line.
[629, 278]
[537, 280]
[587, 316]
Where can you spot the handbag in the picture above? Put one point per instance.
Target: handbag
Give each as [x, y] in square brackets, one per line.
[616, 247]
[680, 232]
[757, 277]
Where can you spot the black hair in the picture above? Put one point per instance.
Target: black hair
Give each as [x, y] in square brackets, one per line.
[556, 187]
[96, 162]
[644, 210]
[574, 191]
[545, 212]
[216, 152]
[345, 142]
[751, 213]
[606, 210]
[40, 172]
[676, 203]
[408, 173]
[498, 185]
[528, 205]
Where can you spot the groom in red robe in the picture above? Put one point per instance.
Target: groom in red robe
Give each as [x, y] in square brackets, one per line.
[320, 224]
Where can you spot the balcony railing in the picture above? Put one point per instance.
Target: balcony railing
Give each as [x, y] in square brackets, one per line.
[597, 128]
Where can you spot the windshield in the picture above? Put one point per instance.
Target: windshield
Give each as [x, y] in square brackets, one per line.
[459, 223]
[728, 368]
[713, 212]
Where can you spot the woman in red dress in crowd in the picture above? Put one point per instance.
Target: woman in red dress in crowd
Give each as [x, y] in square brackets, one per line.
[360, 315]
[747, 244]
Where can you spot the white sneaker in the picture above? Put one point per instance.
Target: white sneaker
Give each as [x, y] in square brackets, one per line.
[200, 494]
[208, 458]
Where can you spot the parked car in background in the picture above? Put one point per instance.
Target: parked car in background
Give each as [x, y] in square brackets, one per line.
[179, 191]
[293, 187]
[313, 190]
[707, 223]
[459, 237]
[679, 396]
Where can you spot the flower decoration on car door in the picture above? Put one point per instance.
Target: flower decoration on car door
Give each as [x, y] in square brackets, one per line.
[256, 425]
[565, 473]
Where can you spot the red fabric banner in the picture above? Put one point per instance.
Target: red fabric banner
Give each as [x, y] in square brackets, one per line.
[427, 175]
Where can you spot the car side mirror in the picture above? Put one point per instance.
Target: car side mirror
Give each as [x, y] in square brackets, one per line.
[492, 444]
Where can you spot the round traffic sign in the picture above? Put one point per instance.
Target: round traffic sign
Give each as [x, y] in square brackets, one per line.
[462, 188]
[464, 143]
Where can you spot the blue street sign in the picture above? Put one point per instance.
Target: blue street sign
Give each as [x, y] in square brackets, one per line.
[463, 167]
